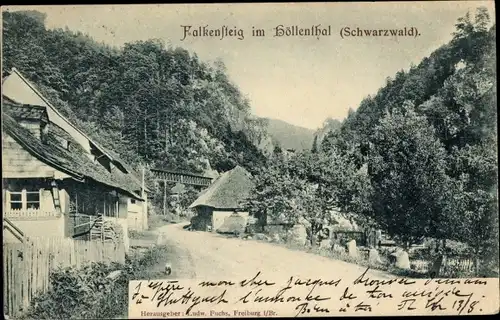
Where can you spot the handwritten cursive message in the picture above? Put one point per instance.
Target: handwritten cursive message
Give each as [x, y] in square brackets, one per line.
[261, 295]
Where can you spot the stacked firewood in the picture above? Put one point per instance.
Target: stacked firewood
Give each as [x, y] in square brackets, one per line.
[103, 231]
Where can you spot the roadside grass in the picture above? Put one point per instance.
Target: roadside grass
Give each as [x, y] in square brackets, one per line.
[88, 292]
[142, 235]
[156, 221]
[385, 266]
[361, 260]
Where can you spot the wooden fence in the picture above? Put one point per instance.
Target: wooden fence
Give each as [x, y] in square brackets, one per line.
[457, 264]
[450, 267]
[30, 214]
[27, 266]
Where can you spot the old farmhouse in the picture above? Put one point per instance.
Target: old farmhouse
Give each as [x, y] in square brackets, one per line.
[57, 181]
[222, 199]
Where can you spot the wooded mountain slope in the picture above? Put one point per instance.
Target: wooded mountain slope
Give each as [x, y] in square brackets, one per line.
[454, 88]
[149, 103]
[289, 136]
[429, 140]
[329, 126]
[417, 160]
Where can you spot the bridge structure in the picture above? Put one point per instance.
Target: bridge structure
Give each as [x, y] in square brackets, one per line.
[200, 182]
[186, 178]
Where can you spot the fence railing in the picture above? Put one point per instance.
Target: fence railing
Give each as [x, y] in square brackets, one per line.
[27, 266]
[460, 264]
[450, 266]
[15, 231]
[31, 214]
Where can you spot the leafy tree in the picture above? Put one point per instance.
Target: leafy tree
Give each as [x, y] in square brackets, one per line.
[474, 205]
[309, 185]
[454, 89]
[315, 144]
[407, 170]
[277, 194]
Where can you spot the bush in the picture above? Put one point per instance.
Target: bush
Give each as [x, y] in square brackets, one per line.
[88, 293]
[73, 293]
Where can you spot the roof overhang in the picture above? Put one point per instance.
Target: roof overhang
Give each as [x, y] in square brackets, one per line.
[44, 101]
[77, 176]
[122, 191]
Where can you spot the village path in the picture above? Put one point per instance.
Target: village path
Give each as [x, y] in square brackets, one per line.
[209, 256]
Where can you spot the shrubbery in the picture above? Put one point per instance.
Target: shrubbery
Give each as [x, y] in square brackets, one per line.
[88, 293]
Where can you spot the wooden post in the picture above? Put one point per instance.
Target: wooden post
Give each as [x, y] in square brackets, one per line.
[75, 219]
[142, 183]
[145, 200]
[164, 196]
[4, 193]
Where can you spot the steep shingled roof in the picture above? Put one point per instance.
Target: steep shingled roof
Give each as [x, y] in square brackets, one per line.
[227, 191]
[73, 162]
[20, 90]
[134, 174]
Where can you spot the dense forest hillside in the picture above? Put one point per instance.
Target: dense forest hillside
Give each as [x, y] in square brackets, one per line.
[151, 104]
[454, 88]
[429, 139]
[418, 159]
[289, 136]
[329, 126]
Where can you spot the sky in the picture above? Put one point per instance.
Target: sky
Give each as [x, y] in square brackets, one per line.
[300, 80]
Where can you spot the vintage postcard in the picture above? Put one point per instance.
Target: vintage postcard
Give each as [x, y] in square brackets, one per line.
[249, 160]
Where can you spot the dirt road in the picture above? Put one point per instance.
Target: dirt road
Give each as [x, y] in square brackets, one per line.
[208, 256]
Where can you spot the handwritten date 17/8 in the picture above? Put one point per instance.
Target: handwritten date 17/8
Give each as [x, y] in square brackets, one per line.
[304, 308]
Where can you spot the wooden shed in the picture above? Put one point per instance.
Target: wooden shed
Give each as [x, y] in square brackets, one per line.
[222, 199]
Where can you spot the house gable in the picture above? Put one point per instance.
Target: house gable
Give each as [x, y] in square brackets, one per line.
[74, 162]
[19, 163]
[18, 89]
[21, 94]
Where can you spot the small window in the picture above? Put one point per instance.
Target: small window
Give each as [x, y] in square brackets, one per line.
[16, 200]
[33, 200]
[132, 201]
[22, 200]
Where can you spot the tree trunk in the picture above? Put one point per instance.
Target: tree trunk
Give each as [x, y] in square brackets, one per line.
[145, 135]
[166, 140]
[406, 242]
[314, 230]
[136, 135]
[157, 121]
[476, 259]
[476, 265]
